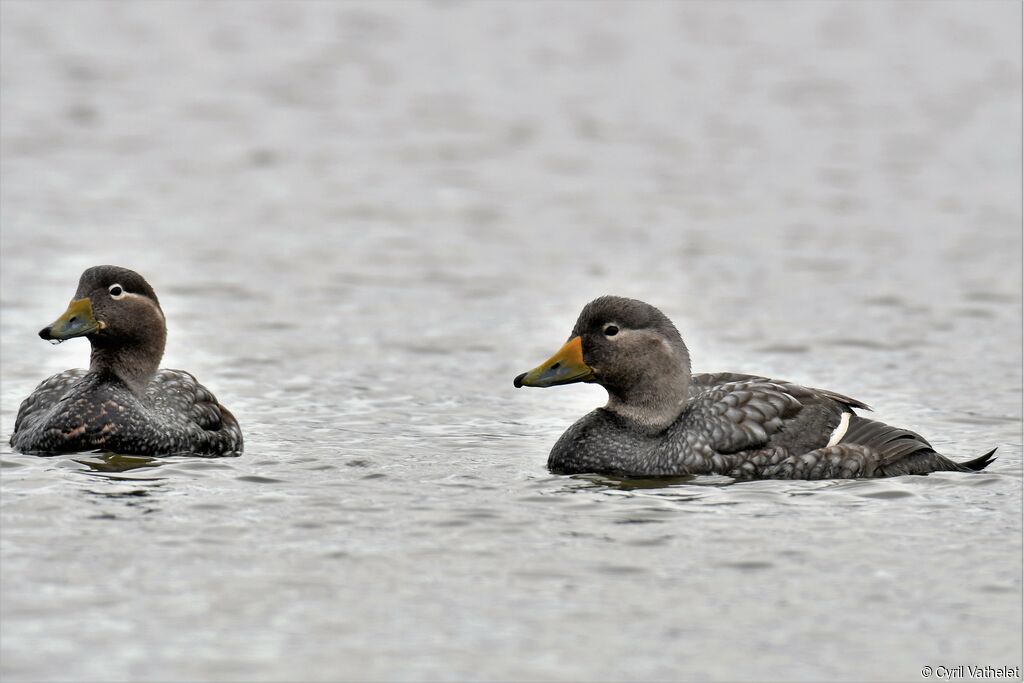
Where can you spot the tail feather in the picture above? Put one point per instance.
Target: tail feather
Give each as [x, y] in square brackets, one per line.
[893, 443]
[901, 451]
[981, 462]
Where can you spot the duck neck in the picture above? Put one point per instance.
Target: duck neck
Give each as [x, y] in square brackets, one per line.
[134, 364]
[657, 401]
[652, 410]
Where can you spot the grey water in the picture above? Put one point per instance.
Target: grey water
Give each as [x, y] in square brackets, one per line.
[364, 219]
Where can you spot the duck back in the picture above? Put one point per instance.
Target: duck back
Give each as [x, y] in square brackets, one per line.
[78, 410]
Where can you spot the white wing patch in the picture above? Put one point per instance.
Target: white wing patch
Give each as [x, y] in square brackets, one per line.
[840, 431]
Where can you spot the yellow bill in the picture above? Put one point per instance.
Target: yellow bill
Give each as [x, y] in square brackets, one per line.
[77, 321]
[565, 367]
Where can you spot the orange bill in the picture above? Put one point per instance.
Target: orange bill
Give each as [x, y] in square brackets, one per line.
[565, 367]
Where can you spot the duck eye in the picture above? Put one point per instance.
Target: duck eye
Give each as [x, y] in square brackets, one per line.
[611, 331]
[116, 291]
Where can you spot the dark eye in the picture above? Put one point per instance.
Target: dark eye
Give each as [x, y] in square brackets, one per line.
[611, 331]
[116, 291]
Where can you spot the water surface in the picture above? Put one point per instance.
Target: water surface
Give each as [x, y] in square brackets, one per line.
[363, 220]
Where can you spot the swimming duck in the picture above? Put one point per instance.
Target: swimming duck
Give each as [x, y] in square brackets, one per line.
[123, 402]
[660, 420]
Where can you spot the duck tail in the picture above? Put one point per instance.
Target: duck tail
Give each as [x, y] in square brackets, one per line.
[980, 463]
[902, 451]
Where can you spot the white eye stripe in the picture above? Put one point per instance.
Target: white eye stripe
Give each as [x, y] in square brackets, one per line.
[116, 291]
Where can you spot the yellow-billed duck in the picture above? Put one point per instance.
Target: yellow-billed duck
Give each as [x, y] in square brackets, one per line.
[123, 402]
[662, 421]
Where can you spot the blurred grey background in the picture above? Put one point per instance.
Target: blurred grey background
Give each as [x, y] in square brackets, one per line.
[363, 219]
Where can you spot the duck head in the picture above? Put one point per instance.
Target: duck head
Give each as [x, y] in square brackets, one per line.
[118, 311]
[632, 350]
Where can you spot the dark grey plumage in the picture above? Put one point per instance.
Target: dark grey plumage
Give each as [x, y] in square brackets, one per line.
[123, 403]
[661, 421]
